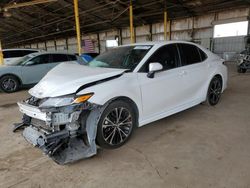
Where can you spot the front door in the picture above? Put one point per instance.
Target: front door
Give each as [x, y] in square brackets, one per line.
[164, 92]
[35, 69]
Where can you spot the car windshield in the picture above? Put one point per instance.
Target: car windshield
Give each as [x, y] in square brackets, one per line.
[126, 57]
[22, 60]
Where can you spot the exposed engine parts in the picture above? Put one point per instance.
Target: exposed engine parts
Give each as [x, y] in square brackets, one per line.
[65, 134]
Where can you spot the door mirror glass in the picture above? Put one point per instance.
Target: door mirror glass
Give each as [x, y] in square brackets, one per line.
[153, 68]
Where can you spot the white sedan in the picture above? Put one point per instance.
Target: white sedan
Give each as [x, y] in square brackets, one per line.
[75, 107]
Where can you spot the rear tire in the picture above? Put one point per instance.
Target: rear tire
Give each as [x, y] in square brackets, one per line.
[214, 91]
[116, 125]
[9, 84]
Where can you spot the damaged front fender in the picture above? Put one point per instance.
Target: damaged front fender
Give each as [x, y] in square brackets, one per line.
[65, 134]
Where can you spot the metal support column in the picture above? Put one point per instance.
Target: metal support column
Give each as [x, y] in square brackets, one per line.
[1, 54]
[131, 16]
[78, 32]
[165, 25]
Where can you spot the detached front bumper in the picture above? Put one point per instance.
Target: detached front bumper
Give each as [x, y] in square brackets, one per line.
[65, 134]
[32, 111]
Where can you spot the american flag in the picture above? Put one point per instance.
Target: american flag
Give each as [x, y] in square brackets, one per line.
[88, 46]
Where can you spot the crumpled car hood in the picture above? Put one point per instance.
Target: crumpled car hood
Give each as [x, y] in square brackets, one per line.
[67, 78]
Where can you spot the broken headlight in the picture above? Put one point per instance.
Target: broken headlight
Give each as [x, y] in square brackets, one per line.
[65, 101]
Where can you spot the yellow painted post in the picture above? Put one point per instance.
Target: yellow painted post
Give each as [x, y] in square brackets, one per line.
[1, 54]
[132, 34]
[169, 30]
[78, 32]
[165, 25]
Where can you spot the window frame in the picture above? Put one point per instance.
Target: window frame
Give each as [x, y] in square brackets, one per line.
[198, 50]
[37, 57]
[11, 52]
[142, 68]
[52, 59]
[69, 57]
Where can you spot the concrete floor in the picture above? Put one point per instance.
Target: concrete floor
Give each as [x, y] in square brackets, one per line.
[200, 147]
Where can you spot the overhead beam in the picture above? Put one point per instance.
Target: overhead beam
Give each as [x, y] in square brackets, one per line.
[25, 4]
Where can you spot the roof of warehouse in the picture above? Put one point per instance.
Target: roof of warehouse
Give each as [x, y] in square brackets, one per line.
[56, 19]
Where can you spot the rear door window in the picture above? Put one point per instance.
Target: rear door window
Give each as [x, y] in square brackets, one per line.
[41, 59]
[202, 55]
[189, 54]
[56, 58]
[26, 52]
[72, 57]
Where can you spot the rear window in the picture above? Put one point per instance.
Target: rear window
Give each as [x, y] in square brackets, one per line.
[189, 54]
[6, 54]
[15, 53]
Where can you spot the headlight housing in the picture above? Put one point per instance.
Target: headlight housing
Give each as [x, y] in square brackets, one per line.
[65, 100]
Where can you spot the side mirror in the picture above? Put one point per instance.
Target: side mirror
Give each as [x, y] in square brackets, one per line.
[153, 68]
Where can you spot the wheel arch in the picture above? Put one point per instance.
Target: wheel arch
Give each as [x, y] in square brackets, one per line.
[129, 101]
[10, 74]
[208, 83]
[220, 77]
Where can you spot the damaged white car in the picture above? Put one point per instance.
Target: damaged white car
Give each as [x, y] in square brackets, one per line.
[75, 107]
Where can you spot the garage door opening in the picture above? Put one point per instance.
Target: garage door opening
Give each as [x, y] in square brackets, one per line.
[231, 29]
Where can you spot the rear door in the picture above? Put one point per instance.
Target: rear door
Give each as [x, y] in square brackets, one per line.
[34, 70]
[195, 70]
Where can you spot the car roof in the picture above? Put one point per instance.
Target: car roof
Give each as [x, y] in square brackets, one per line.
[42, 53]
[160, 43]
[17, 49]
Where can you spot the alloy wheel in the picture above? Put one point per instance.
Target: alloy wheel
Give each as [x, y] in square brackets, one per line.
[117, 126]
[214, 92]
[9, 84]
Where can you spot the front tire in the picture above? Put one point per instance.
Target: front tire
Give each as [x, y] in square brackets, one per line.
[116, 125]
[9, 84]
[214, 91]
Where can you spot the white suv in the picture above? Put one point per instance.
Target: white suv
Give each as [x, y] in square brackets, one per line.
[11, 55]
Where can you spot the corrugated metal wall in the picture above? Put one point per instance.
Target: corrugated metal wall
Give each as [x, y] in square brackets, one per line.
[198, 29]
[228, 45]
